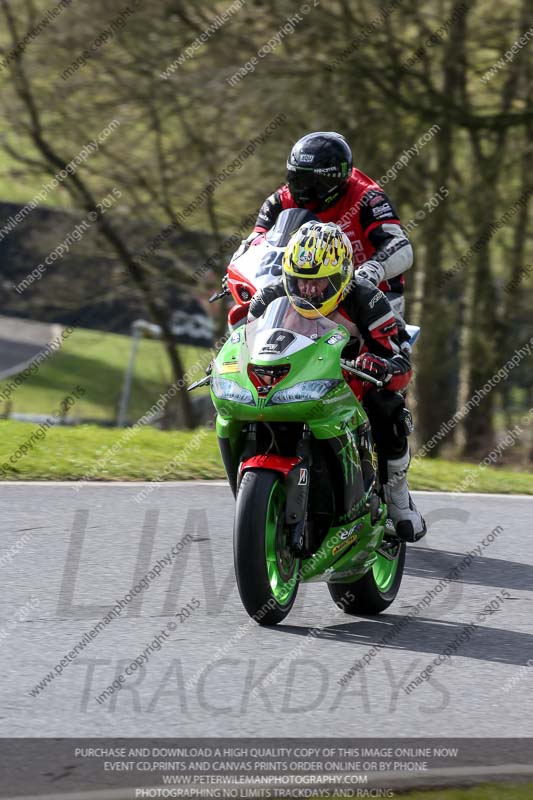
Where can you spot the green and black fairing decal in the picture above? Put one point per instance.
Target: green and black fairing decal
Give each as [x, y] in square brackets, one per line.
[345, 448]
[367, 453]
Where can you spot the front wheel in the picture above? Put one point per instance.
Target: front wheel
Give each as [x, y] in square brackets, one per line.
[378, 587]
[266, 570]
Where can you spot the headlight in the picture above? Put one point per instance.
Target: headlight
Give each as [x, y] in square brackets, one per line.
[309, 390]
[230, 390]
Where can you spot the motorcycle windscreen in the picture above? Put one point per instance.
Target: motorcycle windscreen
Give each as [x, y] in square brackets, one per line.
[282, 331]
[287, 224]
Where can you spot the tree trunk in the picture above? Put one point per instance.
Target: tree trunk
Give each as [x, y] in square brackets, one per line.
[481, 355]
[436, 358]
[80, 190]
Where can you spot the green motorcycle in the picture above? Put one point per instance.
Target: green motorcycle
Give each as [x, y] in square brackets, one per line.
[297, 449]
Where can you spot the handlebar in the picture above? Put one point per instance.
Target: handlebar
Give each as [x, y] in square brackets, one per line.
[344, 364]
[219, 295]
[359, 374]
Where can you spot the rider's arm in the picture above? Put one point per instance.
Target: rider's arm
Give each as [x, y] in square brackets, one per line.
[368, 307]
[244, 245]
[269, 212]
[264, 296]
[381, 226]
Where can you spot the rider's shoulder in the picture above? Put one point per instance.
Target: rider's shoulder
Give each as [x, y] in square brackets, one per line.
[364, 184]
[364, 288]
[363, 294]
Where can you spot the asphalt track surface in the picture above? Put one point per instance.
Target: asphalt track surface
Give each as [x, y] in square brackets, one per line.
[14, 355]
[67, 553]
[21, 341]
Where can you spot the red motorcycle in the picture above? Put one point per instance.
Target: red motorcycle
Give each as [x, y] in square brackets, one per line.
[259, 264]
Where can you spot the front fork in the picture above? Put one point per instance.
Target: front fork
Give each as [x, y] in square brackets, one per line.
[296, 478]
[297, 490]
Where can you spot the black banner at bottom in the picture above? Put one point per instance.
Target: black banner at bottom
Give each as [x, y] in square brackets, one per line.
[124, 768]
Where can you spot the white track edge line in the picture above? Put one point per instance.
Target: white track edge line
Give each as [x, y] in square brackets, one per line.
[175, 484]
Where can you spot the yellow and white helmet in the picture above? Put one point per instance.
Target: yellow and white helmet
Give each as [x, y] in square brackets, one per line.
[317, 268]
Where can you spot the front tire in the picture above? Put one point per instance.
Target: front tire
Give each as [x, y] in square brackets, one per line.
[266, 571]
[376, 590]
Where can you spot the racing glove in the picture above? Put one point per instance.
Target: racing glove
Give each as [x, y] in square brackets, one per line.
[379, 368]
[244, 245]
[263, 297]
[372, 271]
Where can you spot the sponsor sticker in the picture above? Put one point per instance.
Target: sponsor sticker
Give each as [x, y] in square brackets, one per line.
[378, 296]
[344, 544]
[229, 366]
[304, 257]
[277, 343]
[348, 537]
[337, 337]
[338, 398]
[354, 529]
[303, 476]
[383, 210]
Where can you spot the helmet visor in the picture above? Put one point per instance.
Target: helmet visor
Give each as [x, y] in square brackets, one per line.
[307, 186]
[313, 291]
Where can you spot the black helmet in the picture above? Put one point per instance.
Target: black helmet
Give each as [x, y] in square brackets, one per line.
[318, 169]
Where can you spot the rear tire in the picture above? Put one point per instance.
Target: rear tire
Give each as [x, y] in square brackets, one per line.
[266, 571]
[375, 591]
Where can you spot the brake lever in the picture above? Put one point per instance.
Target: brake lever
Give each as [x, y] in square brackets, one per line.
[360, 374]
[219, 295]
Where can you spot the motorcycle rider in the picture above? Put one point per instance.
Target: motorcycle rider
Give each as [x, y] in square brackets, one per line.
[318, 276]
[321, 178]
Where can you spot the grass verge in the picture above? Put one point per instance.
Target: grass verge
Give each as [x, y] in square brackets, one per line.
[91, 452]
[147, 454]
[488, 791]
[97, 361]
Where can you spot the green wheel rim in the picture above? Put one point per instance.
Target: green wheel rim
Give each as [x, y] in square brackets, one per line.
[385, 572]
[282, 567]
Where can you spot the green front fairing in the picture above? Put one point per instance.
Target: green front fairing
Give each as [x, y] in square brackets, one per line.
[326, 417]
[336, 416]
